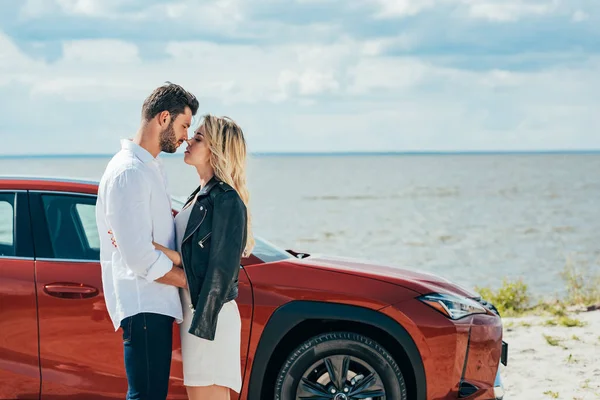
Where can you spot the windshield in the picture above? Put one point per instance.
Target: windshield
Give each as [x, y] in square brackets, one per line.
[263, 249]
[268, 252]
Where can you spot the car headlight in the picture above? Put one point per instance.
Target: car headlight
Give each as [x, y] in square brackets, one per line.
[454, 307]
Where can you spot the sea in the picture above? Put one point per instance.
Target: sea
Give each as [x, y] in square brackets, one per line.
[475, 219]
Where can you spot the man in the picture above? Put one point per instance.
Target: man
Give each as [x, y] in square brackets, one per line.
[133, 211]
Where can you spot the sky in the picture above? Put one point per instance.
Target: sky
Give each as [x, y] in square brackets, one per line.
[306, 75]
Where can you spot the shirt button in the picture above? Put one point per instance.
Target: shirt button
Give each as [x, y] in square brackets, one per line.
[201, 207]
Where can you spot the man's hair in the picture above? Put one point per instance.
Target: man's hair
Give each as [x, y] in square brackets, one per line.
[169, 97]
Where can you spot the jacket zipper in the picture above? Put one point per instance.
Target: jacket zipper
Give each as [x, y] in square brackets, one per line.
[197, 226]
[187, 283]
[191, 305]
[204, 239]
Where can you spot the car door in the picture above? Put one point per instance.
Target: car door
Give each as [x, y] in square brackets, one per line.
[80, 353]
[19, 361]
[245, 305]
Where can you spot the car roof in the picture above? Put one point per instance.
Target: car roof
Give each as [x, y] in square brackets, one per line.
[60, 184]
[63, 184]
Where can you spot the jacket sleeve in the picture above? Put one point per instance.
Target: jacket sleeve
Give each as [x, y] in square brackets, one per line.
[228, 233]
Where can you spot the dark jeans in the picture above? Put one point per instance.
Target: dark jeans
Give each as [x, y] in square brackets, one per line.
[147, 341]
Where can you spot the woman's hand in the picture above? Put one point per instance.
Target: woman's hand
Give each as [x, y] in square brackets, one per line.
[173, 255]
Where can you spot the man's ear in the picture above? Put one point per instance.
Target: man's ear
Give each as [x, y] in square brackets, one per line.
[164, 118]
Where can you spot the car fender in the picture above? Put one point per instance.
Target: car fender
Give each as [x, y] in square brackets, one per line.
[286, 317]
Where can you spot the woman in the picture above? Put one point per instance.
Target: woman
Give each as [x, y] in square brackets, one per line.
[213, 233]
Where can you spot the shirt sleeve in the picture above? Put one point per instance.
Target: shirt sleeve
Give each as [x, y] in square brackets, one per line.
[129, 217]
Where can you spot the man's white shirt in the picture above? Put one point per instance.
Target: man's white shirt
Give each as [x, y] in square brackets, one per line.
[134, 209]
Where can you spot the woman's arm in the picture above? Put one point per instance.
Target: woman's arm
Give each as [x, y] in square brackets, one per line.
[173, 255]
[227, 244]
[175, 277]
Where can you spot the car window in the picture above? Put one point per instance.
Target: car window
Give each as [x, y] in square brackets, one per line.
[72, 226]
[87, 215]
[7, 224]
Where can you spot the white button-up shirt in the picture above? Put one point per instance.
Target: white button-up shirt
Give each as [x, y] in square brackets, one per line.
[132, 211]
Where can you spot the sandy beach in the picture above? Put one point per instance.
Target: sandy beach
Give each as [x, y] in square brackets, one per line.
[547, 362]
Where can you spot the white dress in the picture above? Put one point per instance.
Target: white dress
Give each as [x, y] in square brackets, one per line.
[207, 362]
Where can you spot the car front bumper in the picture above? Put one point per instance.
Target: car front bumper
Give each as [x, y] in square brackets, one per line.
[498, 385]
[461, 358]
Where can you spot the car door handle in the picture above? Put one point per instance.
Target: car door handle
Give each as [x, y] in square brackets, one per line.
[70, 290]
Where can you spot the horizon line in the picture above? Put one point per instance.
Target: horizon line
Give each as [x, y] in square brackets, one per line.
[326, 153]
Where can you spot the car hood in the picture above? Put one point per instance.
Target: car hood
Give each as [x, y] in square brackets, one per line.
[419, 281]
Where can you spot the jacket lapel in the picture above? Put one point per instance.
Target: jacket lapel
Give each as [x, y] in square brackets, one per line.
[191, 196]
[199, 211]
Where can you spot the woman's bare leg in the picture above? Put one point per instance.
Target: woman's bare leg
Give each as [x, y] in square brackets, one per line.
[213, 392]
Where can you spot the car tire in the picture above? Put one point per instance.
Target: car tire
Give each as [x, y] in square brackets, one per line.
[371, 370]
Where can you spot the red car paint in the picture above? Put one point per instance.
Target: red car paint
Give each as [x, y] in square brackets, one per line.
[56, 339]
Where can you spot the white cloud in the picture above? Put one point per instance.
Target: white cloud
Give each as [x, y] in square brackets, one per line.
[215, 16]
[323, 90]
[233, 73]
[217, 13]
[390, 74]
[376, 47]
[504, 11]
[401, 102]
[309, 82]
[579, 16]
[78, 89]
[88, 8]
[403, 8]
[493, 10]
[14, 65]
[98, 52]
[37, 8]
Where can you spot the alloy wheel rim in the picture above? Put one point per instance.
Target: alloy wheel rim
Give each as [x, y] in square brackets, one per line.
[341, 377]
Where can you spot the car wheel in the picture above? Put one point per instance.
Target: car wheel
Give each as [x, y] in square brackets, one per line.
[340, 366]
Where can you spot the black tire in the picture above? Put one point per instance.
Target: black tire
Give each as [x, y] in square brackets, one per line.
[307, 371]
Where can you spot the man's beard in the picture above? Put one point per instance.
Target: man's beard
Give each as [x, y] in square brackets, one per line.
[168, 141]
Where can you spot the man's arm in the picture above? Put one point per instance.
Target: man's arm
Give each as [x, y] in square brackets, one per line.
[129, 216]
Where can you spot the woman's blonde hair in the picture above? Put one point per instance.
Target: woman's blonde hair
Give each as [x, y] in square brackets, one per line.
[228, 160]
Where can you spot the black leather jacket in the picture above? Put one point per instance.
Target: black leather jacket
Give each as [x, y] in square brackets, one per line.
[211, 252]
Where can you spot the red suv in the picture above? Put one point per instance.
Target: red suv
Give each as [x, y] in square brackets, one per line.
[314, 327]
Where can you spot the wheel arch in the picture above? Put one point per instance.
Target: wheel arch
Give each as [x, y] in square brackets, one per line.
[299, 320]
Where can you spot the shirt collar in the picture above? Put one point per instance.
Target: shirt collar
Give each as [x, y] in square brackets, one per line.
[137, 150]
